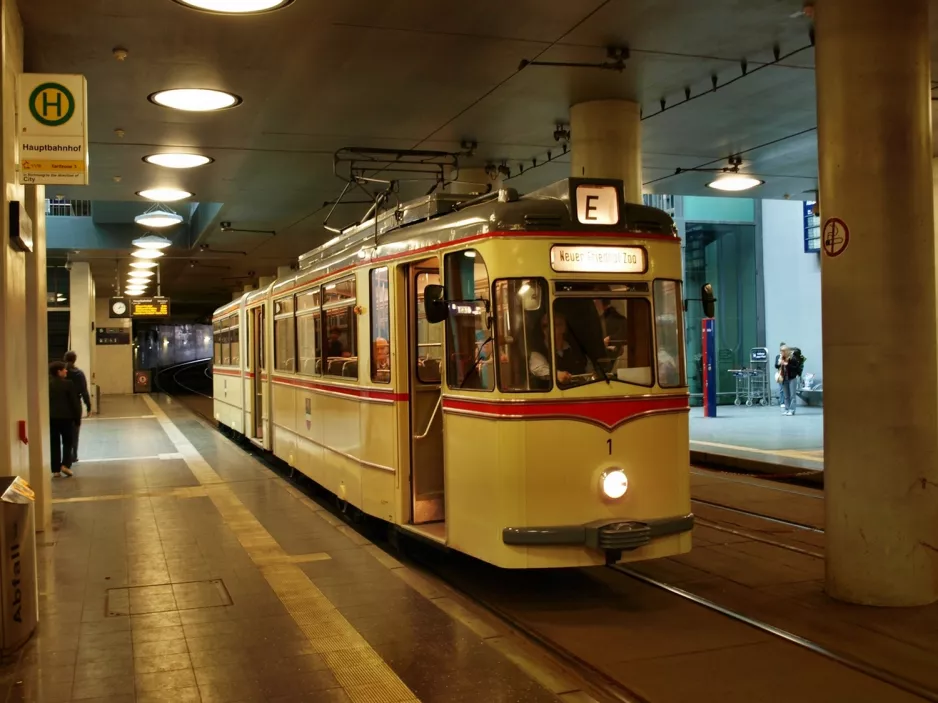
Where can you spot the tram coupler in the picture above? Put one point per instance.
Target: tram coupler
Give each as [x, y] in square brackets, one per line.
[612, 556]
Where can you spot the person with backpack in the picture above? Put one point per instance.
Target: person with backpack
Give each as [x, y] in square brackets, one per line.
[790, 364]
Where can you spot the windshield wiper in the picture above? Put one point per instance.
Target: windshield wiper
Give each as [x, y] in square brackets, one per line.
[475, 364]
[589, 356]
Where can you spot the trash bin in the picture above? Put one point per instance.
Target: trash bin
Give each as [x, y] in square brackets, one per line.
[20, 606]
[142, 381]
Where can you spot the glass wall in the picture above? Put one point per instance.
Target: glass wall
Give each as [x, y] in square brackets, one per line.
[723, 255]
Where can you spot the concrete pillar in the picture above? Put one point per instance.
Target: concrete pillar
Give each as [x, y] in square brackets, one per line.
[81, 307]
[878, 302]
[606, 142]
[14, 454]
[37, 361]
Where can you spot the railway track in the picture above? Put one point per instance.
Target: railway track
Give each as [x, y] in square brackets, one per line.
[190, 383]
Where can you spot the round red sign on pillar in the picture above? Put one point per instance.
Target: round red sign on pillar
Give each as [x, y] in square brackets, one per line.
[835, 237]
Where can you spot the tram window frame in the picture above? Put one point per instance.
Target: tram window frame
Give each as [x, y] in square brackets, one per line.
[612, 375]
[333, 304]
[420, 363]
[677, 305]
[216, 343]
[226, 342]
[284, 321]
[234, 342]
[486, 381]
[307, 323]
[501, 313]
[380, 325]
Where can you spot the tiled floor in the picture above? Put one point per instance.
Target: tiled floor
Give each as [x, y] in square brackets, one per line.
[180, 569]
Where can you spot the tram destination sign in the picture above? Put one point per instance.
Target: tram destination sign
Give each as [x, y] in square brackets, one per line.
[581, 259]
[149, 307]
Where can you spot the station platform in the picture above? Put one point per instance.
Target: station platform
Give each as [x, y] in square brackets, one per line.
[182, 569]
[760, 439]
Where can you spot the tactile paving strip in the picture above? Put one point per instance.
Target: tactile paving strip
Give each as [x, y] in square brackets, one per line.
[361, 672]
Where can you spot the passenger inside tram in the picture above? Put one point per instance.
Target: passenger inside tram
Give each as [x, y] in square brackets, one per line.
[570, 359]
[334, 346]
[381, 360]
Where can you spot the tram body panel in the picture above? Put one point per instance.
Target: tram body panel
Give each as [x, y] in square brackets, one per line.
[547, 473]
[228, 391]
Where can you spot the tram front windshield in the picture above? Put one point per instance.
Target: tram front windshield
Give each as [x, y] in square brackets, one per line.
[592, 337]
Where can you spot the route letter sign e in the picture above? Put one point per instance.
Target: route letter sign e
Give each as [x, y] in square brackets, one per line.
[52, 129]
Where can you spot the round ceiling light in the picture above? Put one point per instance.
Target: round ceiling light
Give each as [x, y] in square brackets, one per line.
[134, 278]
[164, 195]
[235, 7]
[146, 254]
[178, 160]
[141, 274]
[151, 241]
[195, 99]
[158, 217]
[140, 265]
[134, 291]
[734, 182]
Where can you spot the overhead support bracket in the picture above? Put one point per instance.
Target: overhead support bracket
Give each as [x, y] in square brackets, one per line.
[616, 56]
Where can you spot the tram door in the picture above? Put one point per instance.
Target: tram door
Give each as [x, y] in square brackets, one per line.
[257, 366]
[425, 347]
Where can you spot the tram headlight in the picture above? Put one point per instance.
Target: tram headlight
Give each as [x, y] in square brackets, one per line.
[614, 483]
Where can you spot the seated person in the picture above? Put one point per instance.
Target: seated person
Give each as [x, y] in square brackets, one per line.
[381, 359]
[334, 347]
[570, 359]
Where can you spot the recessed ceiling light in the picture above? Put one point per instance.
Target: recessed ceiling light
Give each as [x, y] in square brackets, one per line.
[178, 160]
[143, 264]
[146, 254]
[151, 241]
[735, 182]
[195, 99]
[164, 195]
[235, 7]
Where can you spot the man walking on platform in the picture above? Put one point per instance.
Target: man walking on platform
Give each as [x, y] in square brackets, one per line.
[77, 377]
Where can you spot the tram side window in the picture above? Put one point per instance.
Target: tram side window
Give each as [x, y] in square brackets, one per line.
[380, 326]
[602, 338]
[226, 343]
[523, 334]
[284, 336]
[340, 352]
[429, 337]
[668, 331]
[234, 338]
[468, 342]
[306, 325]
[216, 339]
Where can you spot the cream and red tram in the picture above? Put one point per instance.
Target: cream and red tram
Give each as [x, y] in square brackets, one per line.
[504, 376]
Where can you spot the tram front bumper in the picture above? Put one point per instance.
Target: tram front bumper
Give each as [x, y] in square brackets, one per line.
[608, 535]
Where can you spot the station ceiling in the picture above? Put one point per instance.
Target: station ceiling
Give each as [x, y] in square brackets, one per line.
[320, 75]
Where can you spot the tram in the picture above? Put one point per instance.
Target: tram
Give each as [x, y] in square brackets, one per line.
[503, 374]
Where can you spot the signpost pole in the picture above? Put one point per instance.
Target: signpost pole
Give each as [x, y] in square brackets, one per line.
[707, 345]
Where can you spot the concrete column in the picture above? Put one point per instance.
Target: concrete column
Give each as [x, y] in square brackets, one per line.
[878, 302]
[81, 307]
[606, 142]
[37, 358]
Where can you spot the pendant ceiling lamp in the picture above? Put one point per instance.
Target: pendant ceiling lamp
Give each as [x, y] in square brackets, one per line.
[732, 181]
[141, 265]
[158, 217]
[152, 241]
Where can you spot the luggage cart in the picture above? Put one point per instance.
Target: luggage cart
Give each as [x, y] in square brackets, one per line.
[758, 377]
[742, 377]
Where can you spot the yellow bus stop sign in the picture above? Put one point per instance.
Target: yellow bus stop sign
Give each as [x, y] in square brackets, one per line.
[51, 104]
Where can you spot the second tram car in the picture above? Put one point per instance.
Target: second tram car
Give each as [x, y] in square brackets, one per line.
[502, 375]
